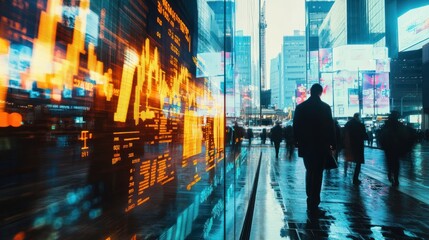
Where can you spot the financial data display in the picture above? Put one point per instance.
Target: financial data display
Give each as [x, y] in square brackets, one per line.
[107, 129]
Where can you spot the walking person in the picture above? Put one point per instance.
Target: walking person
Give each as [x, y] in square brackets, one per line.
[396, 141]
[263, 135]
[276, 135]
[355, 136]
[339, 138]
[249, 134]
[237, 135]
[370, 134]
[290, 141]
[315, 137]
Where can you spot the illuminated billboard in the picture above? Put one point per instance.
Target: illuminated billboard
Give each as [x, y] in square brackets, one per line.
[353, 58]
[325, 60]
[345, 93]
[413, 29]
[375, 93]
[301, 93]
[313, 71]
[350, 63]
[326, 82]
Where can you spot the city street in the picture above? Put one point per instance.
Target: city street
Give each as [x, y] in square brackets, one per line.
[371, 210]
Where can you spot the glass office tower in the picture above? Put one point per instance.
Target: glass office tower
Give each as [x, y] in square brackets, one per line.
[316, 11]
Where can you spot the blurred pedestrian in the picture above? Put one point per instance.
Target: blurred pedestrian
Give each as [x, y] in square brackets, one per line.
[355, 136]
[238, 134]
[263, 135]
[249, 135]
[315, 137]
[339, 138]
[370, 134]
[396, 141]
[427, 134]
[228, 136]
[290, 141]
[276, 134]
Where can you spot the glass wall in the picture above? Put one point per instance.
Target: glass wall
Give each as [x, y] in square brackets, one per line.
[112, 120]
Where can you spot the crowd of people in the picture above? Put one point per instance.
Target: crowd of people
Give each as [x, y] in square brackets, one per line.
[318, 137]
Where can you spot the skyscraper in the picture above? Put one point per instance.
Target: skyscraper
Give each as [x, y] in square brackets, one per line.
[293, 67]
[263, 26]
[315, 12]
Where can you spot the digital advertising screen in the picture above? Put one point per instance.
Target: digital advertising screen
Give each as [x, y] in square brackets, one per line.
[325, 60]
[353, 58]
[111, 124]
[313, 72]
[326, 82]
[301, 93]
[376, 93]
[413, 29]
[345, 88]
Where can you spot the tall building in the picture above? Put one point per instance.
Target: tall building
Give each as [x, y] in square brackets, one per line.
[275, 83]
[223, 11]
[377, 22]
[263, 26]
[315, 12]
[293, 68]
[354, 62]
[353, 22]
[405, 37]
[243, 71]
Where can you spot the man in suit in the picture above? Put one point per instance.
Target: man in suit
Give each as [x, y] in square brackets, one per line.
[315, 137]
[276, 137]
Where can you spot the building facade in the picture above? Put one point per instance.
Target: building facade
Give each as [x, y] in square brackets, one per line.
[243, 72]
[293, 62]
[275, 83]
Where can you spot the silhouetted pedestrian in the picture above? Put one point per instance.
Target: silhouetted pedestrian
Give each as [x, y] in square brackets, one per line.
[290, 141]
[228, 136]
[315, 137]
[238, 134]
[427, 134]
[249, 135]
[263, 135]
[339, 138]
[370, 134]
[276, 134]
[396, 141]
[355, 136]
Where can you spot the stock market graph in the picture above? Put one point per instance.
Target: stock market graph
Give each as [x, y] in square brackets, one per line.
[105, 130]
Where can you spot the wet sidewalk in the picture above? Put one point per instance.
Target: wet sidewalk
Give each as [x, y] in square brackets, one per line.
[372, 210]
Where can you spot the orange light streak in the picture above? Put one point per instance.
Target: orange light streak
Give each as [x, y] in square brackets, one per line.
[130, 64]
[193, 135]
[4, 71]
[43, 46]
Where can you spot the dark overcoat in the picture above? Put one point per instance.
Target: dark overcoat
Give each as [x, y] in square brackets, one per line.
[355, 135]
[313, 128]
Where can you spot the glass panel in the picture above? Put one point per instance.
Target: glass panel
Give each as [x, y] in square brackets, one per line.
[112, 116]
[242, 112]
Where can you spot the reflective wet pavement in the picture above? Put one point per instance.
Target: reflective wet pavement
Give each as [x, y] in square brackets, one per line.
[372, 210]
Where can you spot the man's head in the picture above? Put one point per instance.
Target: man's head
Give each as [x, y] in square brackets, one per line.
[356, 115]
[316, 90]
[394, 115]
